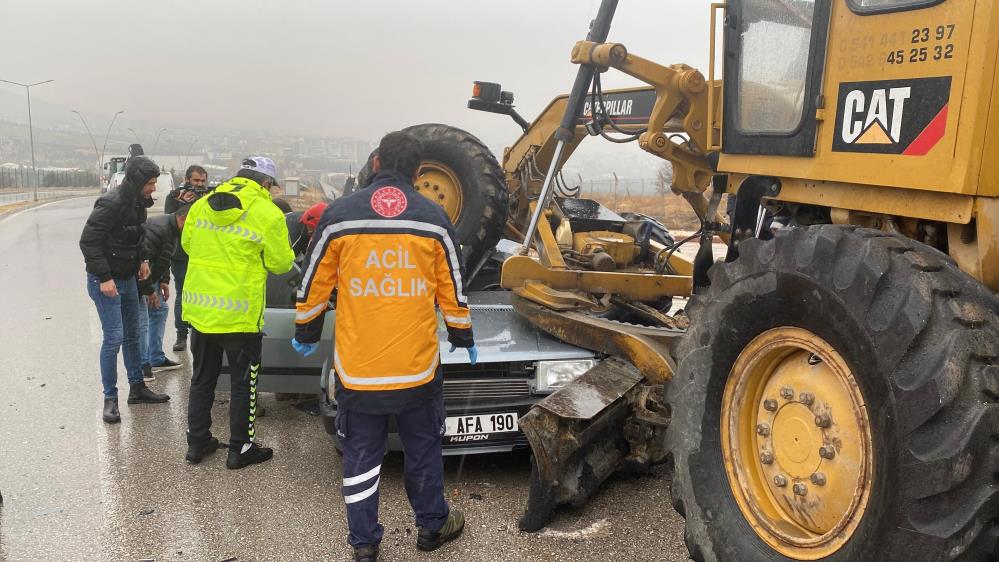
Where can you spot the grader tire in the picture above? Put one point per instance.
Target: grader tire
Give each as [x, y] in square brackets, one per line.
[921, 341]
[460, 173]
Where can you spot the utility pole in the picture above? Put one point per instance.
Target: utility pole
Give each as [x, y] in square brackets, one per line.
[97, 153]
[189, 149]
[155, 144]
[31, 133]
[104, 150]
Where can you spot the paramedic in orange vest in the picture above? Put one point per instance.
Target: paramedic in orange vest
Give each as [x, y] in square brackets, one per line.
[390, 254]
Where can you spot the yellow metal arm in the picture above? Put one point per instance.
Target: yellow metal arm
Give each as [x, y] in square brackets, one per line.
[681, 92]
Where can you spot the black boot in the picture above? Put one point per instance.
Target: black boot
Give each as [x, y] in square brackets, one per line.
[140, 394]
[196, 453]
[110, 413]
[366, 554]
[181, 344]
[254, 455]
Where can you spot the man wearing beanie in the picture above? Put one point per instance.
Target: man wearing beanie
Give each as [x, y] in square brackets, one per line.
[111, 243]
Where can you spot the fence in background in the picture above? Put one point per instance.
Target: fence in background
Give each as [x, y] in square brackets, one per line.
[18, 185]
[16, 178]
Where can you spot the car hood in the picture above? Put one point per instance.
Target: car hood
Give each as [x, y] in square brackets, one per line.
[503, 335]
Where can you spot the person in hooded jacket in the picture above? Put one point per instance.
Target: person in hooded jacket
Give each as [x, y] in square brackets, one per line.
[111, 243]
[234, 236]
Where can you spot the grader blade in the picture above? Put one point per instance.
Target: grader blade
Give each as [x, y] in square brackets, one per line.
[605, 420]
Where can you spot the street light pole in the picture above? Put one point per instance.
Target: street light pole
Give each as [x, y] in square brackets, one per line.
[189, 149]
[104, 150]
[97, 153]
[31, 132]
[134, 134]
[155, 144]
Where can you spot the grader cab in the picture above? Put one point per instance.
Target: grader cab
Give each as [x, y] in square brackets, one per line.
[831, 388]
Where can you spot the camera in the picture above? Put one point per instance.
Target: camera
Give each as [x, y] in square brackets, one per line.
[188, 188]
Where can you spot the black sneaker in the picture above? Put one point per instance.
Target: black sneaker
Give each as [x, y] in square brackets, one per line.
[141, 394]
[147, 374]
[254, 455]
[166, 365]
[432, 540]
[181, 344]
[366, 554]
[110, 413]
[197, 453]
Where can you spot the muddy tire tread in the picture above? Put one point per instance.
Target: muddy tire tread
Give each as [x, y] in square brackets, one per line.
[937, 336]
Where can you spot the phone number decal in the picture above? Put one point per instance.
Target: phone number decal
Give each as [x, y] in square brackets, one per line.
[928, 44]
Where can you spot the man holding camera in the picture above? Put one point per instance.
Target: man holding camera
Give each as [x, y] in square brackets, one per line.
[195, 185]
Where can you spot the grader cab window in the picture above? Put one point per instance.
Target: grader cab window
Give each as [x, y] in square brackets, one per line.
[774, 55]
[882, 6]
[773, 87]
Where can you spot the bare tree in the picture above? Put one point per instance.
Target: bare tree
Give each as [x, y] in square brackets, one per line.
[664, 178]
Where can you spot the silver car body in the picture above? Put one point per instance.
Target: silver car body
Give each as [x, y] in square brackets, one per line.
[501, 336]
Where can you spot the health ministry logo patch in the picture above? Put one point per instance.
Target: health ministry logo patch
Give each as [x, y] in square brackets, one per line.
[388, 201]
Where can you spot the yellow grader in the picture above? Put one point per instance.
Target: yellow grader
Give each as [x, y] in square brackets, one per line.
[831, 389]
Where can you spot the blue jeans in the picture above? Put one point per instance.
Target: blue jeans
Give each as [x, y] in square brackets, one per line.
[120, 323]
[152, 323]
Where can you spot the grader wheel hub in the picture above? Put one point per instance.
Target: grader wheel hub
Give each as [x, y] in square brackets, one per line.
[439, 183]
[796, 439]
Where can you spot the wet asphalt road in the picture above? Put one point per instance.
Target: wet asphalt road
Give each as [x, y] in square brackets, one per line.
[77, 489]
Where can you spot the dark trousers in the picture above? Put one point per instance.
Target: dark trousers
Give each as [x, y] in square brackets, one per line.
[362, 438]
[243, 353]
[179, 269]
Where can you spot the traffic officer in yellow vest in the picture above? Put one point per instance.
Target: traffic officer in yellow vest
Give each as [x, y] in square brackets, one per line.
[390, 253]
[234, 236]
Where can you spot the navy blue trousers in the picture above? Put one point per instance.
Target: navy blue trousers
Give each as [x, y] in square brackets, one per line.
[362, 438]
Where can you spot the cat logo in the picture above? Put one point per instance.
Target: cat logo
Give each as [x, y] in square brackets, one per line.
[906, 117]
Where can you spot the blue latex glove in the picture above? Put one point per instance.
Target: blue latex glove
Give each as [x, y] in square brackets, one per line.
[306, 349]
[473, 353]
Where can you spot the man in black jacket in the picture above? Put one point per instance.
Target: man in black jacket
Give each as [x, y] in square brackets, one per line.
[162, 236]
[195, 186]
[111, 244]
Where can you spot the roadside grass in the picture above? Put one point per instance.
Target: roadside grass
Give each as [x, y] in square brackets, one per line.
[672, 210]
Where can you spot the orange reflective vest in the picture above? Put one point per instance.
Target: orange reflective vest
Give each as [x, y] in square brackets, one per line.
[391, 255]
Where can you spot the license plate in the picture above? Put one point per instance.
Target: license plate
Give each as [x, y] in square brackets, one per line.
[485, 423]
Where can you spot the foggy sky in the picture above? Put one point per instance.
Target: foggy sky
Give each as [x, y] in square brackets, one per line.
[335, 67]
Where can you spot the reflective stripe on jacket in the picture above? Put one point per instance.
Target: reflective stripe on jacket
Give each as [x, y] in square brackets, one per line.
[391, 254]
[234, 236]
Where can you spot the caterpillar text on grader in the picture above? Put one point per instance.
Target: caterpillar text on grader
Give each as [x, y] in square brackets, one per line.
[831, 390]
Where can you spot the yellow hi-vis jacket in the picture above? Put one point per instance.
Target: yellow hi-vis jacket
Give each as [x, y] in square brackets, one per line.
[234, 236]
[391, 254]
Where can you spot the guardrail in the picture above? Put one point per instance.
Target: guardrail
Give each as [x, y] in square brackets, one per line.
[14, 178]
[10, 196]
